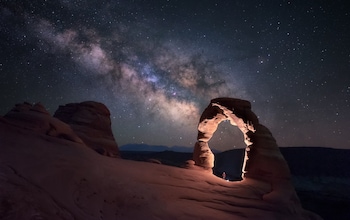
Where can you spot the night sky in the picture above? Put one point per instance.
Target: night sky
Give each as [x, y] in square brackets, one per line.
[157, 64]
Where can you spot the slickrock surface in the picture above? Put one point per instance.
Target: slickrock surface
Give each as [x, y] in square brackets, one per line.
[56, 176]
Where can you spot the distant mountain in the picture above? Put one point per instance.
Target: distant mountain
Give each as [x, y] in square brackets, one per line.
[158, 148]
[317, 161]
[143, 147]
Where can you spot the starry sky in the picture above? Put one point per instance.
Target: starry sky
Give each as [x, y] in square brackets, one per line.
[157, 64]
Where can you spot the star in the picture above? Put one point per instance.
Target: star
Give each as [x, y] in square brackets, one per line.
[160, 63]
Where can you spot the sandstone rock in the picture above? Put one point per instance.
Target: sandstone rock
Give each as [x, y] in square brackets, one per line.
[204, 156]
[42, 179]
[91, 122]
[38, 107]
[37, 119]
[263, 160]
[189, 164]
[51, 178]
[25, 106]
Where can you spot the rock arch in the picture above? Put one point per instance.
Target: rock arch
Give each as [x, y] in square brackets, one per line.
[263, 159]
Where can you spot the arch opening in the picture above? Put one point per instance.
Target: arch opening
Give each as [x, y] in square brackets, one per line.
[227, 137]
[230, 141]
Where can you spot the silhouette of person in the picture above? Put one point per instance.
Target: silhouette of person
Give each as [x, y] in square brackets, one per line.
[224, 175]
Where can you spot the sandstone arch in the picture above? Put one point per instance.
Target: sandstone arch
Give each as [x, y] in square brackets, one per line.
[263, 159]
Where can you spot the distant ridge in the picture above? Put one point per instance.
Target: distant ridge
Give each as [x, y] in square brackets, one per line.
[317, 161]
[143, 147]
[158, 148]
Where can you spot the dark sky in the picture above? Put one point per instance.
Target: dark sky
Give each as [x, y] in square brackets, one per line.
[157, 64]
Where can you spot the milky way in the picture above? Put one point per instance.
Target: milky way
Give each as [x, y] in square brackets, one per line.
[157, 65]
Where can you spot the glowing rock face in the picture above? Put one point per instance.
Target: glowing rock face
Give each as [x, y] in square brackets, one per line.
[263, 159]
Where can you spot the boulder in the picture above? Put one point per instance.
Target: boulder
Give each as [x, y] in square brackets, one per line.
[91, 122]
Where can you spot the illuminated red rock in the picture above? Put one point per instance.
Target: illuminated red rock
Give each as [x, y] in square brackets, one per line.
[91, 122]
[263, 160]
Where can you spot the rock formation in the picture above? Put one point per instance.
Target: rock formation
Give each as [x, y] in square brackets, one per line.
[91, 122]
[36, 118]
[48, 172]
[263, 160]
